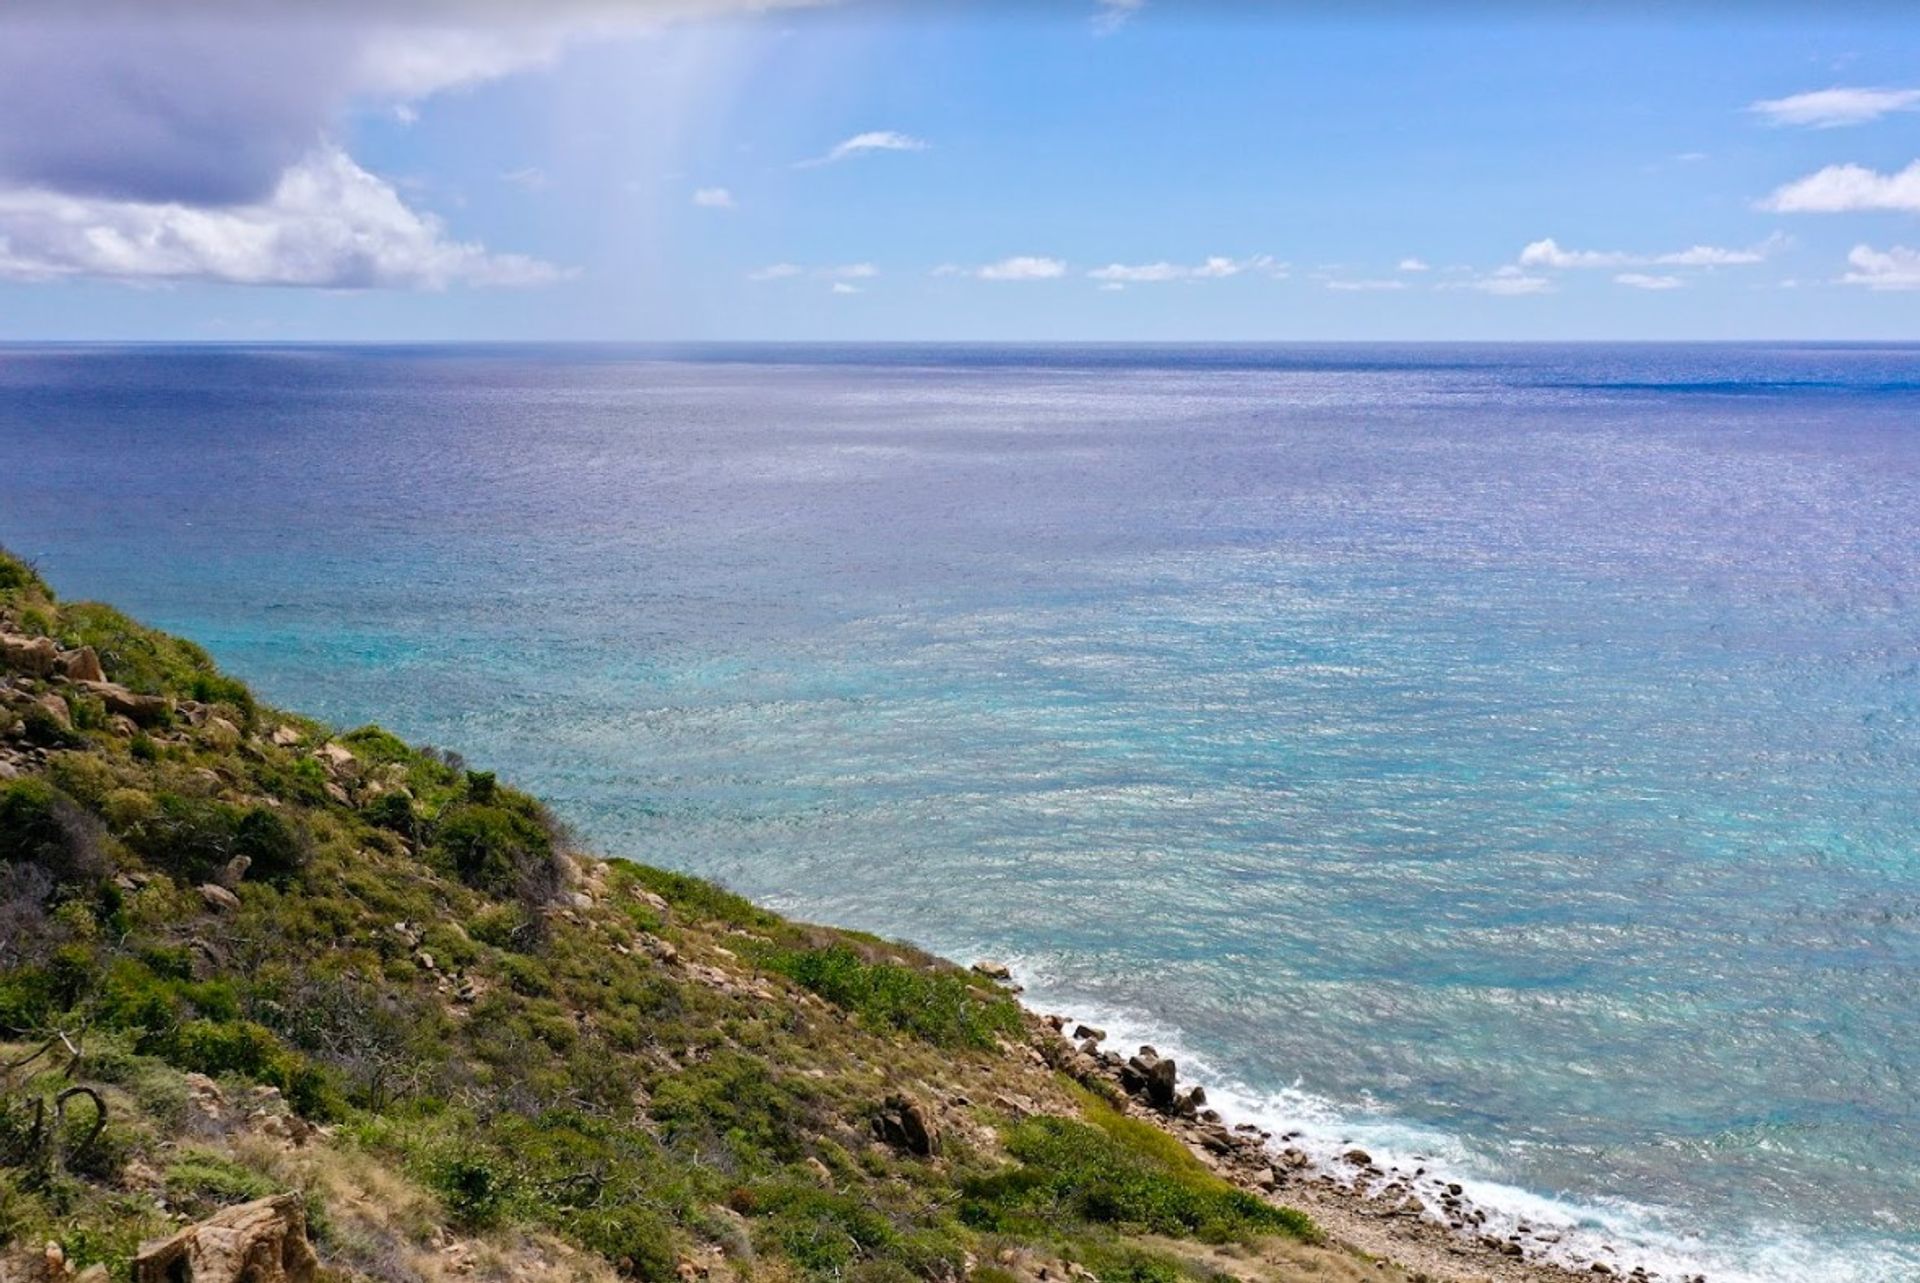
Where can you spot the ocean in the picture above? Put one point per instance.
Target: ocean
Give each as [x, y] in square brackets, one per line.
[1505, 755]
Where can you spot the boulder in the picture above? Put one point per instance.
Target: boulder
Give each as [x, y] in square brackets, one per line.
[57, 708]
[1151, 1075]
[337, 758]
[1084, 1032]
[285, 736]
[993, 970]
[35, 656]
[144, 710]
[264, 1241]
[82, 665]
[220, 733]
[218, 898]
[906, 1124]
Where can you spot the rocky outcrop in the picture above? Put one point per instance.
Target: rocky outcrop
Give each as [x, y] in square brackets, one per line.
[264, 1241]
[906, 1124]
[34, 656]
[82, 665]
[144, 710]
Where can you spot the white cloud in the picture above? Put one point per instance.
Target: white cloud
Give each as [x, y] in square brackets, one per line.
[1411, 264]
[1506, 282]
[713, 198]
[1897, 268]
[1365, 287]
[532, 178]
[841, 287]
[833, 272]
[1840, 189]
[1548, 253]
[1021, 267]
[865, 144]
[175, 118]
[1644, 281]
[1830, 108]
[1113, 14]
[328, 223]
[1214, 268]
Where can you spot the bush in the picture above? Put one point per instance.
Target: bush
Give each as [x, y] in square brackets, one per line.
[493, 849]
[1070, 1167]
[732, 1104]
[943, 1007]
[277, 847]
[43, 827]
[191, 837]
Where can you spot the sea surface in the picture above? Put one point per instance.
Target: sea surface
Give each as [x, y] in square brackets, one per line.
[1504, 755]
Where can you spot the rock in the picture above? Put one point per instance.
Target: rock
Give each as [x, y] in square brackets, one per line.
[1266, 1178]
[1084, 1032]
[284, 736]
[337, 758]
[57, 707]
[905, 1123]
[993, 970]
[1359, 1158]
[818, 1170]
[220, 734]
[264, 1241]
[82, 665]
[35, 656]
[235, 871]
[1160, 1083]
[143, 710]
[218, 898]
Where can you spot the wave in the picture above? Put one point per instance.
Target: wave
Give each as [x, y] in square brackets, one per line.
[1569, 1231]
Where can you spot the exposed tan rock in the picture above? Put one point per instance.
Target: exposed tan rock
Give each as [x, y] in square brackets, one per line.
[82, 665]
[218, 898]
[36, 656]
[142, 709]
[58, 708]
[220, 733]
[337, 758]
[264, 1241]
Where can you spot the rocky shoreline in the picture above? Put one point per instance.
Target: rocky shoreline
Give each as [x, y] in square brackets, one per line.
[1418, 1220]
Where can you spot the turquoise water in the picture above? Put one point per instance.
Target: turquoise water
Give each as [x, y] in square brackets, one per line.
[1503, 755]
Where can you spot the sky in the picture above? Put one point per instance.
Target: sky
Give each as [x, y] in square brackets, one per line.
[1050, 170]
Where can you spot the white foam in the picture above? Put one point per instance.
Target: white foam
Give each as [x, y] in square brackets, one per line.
[1616, 1230]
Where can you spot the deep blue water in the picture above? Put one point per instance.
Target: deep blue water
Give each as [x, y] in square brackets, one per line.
[1506, 755]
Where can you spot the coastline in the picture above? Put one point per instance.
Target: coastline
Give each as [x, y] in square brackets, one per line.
[1421, 1221]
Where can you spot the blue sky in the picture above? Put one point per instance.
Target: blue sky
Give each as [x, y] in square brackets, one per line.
[709, 170]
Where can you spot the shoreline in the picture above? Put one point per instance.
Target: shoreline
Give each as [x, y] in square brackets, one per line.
[1423, 1221]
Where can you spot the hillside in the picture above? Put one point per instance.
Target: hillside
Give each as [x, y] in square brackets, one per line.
[280, 959]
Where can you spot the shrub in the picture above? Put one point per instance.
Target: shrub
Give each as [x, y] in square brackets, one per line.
[493, 849]
[732, 1104]
[942, 1006]
[192, 837]
[1070, 1167]
[277, 847]
[43, 827]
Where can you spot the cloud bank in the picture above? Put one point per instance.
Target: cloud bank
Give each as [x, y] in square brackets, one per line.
[327, 223]
[133, 136]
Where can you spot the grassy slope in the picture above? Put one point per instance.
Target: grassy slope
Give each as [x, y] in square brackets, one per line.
[520, 1062]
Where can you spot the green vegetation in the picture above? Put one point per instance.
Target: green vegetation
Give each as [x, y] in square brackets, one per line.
[944, 1007]
[229, 924]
